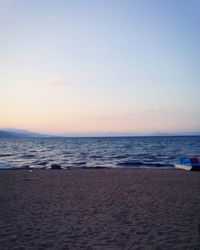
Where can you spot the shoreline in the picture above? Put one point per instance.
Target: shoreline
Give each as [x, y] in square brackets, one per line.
[100, 209]
[86, 168]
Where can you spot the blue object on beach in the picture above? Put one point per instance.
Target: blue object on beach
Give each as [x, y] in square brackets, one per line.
[187, 163]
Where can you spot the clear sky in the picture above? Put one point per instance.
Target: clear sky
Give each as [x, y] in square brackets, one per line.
[92, 66]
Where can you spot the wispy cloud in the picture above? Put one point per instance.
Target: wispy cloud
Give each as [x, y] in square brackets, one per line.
[54, 82]
[112, 117]
[130, 115]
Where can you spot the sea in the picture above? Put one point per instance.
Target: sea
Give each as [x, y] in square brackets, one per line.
[100, 152]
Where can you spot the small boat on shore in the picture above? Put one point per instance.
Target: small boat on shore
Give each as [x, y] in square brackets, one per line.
[185, 163]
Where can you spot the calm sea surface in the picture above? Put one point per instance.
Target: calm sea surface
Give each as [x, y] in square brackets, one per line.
[119, 152]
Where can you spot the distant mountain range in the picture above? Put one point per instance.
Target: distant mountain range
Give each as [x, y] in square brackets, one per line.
[176, 134]
[118, 134]
[19, 133]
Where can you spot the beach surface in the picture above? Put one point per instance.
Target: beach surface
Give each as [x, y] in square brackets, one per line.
[99, 209]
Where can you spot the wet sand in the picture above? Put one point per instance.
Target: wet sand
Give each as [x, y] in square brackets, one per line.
[99, 209]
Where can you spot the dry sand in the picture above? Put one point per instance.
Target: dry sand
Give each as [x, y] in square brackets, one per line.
[99, 209]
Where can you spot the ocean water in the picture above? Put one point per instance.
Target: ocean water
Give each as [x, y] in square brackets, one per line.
[113, 152]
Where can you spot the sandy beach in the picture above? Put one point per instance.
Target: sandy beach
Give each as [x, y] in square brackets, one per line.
[99, 209]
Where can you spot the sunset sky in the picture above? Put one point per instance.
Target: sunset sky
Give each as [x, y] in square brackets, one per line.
[98, 66]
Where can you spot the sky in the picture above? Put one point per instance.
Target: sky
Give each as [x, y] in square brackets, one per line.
[100, 66]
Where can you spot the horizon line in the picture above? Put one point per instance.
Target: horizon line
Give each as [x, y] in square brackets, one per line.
[101, 134]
